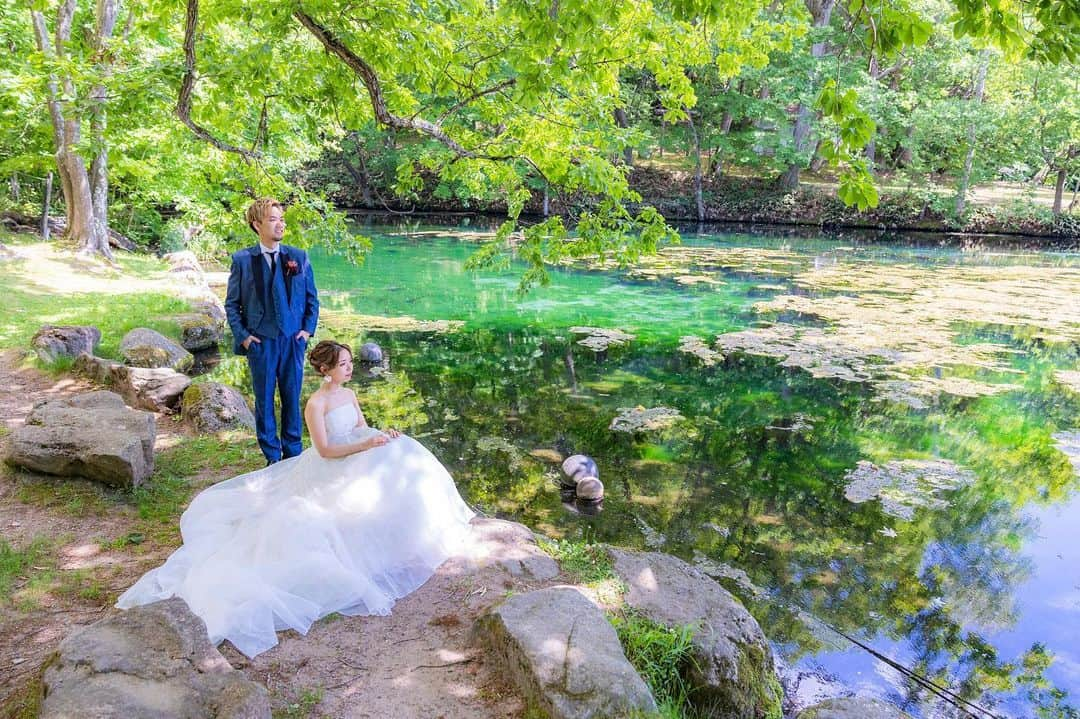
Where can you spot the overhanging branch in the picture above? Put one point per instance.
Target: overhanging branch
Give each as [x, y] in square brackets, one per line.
[183, 104]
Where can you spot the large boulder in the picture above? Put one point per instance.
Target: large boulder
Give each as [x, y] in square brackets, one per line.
[150, 662]
[96, 368]
[853, 708]
[52, 342]
[183, 261]
[733, 674]
[563, 655]
[156, 389]
[200, 331]
[212, 407]
[142, 347]
[92, 435]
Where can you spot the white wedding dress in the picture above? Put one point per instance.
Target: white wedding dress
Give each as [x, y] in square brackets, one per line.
[283, 546]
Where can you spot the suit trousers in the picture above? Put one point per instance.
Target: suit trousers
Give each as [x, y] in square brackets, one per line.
[278, 363]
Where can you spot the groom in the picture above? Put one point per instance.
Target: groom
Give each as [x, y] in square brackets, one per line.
[272, 306]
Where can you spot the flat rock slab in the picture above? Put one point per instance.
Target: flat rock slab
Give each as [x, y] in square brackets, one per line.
[142, 347]
[93, 435]
[96, 368]
[733, 675]
[853, 708]
[151, 662]
[52, 342]
[558, 648]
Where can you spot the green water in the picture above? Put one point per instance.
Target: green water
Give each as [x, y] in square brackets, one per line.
[979, 591]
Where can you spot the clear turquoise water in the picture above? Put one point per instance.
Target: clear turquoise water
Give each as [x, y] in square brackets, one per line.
[967, 594]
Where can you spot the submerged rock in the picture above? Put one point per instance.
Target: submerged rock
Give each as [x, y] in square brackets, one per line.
[905, 485]
[696, 347]
[853, 708]
[640, 419]
[599, 339]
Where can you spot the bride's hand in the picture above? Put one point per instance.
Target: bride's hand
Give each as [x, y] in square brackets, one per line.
[376, 441]
[392, 433]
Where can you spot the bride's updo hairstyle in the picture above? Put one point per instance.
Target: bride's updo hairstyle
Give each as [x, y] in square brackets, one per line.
[325, 355]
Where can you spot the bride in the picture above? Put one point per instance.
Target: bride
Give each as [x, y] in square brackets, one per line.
[354, 523]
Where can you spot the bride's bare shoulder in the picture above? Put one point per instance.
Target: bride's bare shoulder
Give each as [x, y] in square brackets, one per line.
[317, 401]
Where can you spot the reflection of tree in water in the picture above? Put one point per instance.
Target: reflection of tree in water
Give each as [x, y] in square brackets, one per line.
[756, 480]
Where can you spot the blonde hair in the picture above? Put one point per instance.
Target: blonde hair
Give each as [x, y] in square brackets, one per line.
[258, 209]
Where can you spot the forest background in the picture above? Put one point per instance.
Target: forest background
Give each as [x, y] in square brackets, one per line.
[605, 120]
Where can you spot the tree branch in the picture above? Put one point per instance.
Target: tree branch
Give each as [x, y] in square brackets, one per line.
[183, 104]
[367, 75]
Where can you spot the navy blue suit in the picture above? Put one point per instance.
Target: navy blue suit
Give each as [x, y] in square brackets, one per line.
[273, 308]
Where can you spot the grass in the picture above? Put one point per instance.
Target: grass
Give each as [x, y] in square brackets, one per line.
[50, 286]
[75, 497]
[19, 563]
[584, 561]
[661, 655]
[302, 707]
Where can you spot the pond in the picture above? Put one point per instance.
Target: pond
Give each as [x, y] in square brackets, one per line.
[875, 445]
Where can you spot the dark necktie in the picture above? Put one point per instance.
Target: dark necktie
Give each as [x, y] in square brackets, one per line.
[273, 262]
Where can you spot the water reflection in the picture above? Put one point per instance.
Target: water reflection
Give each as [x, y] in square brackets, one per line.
[980, 596]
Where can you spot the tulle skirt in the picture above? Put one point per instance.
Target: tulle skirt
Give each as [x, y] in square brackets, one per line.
[283, 546]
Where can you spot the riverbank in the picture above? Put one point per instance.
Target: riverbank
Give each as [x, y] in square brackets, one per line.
[737, 200]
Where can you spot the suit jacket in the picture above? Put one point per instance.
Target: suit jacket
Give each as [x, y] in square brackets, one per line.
[245, 306]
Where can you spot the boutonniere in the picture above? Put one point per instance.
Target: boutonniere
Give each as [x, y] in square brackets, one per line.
[292, 268]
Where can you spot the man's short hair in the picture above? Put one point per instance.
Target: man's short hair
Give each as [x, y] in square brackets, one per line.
[258, 209]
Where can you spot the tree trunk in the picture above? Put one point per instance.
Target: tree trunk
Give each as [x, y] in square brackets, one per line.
[1059, 190]
[907, 156]
[83, 226]
[969, 160]
[698, 195]
[99, 169]
[821, 12]
[621, 121]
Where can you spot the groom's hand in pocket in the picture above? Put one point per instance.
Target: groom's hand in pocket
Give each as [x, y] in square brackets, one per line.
[303, 335]
[252, 339]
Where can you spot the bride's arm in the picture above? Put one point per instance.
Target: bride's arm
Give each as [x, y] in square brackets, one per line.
[316, 422]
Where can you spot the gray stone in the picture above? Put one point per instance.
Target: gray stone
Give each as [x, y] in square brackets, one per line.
[52, 342]
[560, 651]
[96, 368]
[513, 547]
[150, 662]
[733, 674]
[370, 352]
[589, 488]
[212, 407]
[156, 389]
[199, 331]
[92, 435]
[210, 305]
[183, 261]
[142, 347]
[578, 466]
[853, 708]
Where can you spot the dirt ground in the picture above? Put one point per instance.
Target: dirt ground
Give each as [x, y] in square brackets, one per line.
[415, 663]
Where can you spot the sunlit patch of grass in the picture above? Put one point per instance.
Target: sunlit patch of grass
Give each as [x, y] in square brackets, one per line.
[585, 562]
[51, 287]
[662, 656]
[18, 564]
